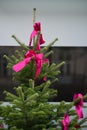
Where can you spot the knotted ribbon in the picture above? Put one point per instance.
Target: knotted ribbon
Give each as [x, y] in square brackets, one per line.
[65, 122]
[79, 105]
[38, 59]
[37, 28]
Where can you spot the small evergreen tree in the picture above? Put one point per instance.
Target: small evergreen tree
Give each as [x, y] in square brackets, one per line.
[29, 108]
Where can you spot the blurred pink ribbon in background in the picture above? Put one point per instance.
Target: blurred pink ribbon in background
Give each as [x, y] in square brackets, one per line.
[37, 28]
[38, 59]
[79, 105]
[77, 126]
[65, 122]
[1, 126]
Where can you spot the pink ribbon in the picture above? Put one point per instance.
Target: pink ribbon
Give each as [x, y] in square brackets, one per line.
[65, 122]
[79, 105]
[77, 126]
[37, 28]
[1, 126]
[40, 41]
[38, 59]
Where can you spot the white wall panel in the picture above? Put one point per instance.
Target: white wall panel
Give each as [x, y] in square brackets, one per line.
[65, 19]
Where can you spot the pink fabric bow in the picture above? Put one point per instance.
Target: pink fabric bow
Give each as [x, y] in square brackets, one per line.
[79, 105]
[38, 59]
[37, 28]
[65, 122]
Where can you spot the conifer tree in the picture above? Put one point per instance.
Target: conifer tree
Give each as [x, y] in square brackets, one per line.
[29, 108]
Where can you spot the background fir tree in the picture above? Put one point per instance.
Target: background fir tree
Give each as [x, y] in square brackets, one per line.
[29, 108]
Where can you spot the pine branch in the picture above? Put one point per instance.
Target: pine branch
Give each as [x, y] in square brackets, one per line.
[48, 53]
[48, 46]
[21, 44]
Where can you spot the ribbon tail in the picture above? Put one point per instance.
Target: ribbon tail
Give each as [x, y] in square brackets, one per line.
[31, 36]
[40, 41]
[79, 105]
[79, 111]
[19, 66]
[37, 71]
[38, 67]
[38, 59]
[38, 47]
[65, 122]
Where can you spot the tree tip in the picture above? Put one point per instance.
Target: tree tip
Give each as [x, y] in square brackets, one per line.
[13, 36]
[56, 39]
[34, 9]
